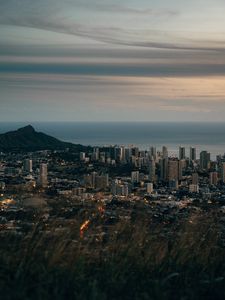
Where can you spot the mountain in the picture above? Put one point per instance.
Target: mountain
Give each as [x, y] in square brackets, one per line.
[27, 139]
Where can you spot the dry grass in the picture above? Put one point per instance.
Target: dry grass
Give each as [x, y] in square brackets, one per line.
[133, 262]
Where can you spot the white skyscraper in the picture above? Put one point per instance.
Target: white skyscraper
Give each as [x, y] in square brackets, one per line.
[43, 175]
[149, 187]
[27, 165]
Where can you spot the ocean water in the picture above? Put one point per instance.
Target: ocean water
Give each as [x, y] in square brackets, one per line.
[203, 136]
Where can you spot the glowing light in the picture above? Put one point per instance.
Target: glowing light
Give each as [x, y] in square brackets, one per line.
[7, 201]
[101, 209]
[83, 227]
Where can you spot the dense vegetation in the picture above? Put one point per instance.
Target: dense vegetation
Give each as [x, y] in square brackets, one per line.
[134, 261]
[27, 139]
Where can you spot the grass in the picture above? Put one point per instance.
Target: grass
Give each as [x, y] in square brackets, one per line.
[135, 261]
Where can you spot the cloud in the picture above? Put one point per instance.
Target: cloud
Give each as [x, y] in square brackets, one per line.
[115, 35]
[54, 16]
[117, 8]
[112, 69]
[110, 97]
[182, 108]
[87, 5]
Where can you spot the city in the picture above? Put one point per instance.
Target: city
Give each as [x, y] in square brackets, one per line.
[112, 150]
[61, 206]
[98, 203]
[115, 171]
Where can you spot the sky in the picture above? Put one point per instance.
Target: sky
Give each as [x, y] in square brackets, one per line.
[110, 60]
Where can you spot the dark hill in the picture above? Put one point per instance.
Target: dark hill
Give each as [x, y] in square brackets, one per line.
[27, 139]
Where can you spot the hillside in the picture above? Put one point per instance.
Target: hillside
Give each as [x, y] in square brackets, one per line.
[28, 139]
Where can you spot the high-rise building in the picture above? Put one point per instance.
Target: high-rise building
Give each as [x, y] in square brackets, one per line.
[95, 154]
[195, 178]
[114, 184]
[28, 166]
[213, 178]
[223, 172]
[194, 188]
[122, 154]
[173, 184]
[117, 154]
[82, 156]
[87, 180]
[128, 154]
[181, 153]
[124, 189]
[182, 166]
[204, 160]
[173, 169]
[135, 151]
[135, 177]
[164, 169]
[192, 154]
[164, 152]
[43, 176]
[119, 189]
[153, 153]
[152, 170]
[149, 187]
[93, 179]
[102, 182]
[102, 157]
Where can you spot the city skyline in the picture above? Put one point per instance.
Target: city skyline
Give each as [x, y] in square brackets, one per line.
[112, 60]
[176, 149]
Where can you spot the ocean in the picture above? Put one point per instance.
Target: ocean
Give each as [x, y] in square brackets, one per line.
[203, 136]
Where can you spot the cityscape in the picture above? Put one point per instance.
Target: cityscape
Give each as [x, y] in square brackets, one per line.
[112, 150]
[116, 171]
[88, 200]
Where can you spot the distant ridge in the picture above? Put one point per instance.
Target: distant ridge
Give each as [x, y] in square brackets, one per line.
[27, 139]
